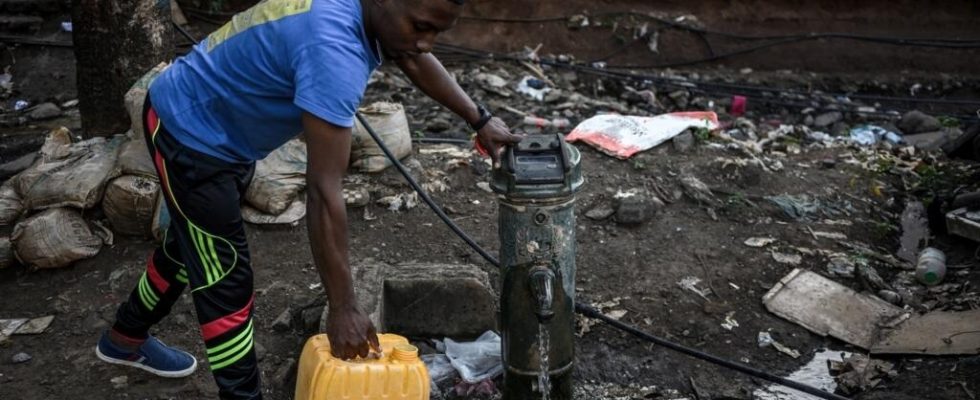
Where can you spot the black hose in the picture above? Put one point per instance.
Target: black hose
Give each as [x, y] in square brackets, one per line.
[590, 311]
[183, 32]
[462, 142]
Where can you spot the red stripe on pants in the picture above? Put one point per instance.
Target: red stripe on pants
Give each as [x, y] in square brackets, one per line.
[228, 322]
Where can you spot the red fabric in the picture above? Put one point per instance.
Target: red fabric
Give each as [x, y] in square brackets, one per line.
[151, 271]
[739, 104]
[228, 322]
[479, 148]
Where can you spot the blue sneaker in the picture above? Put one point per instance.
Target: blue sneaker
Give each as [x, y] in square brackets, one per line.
[153, 356]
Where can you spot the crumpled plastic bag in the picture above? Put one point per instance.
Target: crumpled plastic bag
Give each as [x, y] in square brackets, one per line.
[478, 360]
[870, 134]
[622, 136]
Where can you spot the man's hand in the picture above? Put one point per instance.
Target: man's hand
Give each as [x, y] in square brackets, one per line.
[350, 333]
[429, 75]
[328, 148]
[494, 136]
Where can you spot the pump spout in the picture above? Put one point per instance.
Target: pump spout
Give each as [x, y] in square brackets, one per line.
[540, 280]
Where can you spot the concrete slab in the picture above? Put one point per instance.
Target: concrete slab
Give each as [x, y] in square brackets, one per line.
[438, 300]
[424, 299]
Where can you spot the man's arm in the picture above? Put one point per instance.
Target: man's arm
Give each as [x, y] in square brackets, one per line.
[428, 74]
[328, 150]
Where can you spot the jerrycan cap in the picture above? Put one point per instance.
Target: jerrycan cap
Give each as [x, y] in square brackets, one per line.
[405, 352]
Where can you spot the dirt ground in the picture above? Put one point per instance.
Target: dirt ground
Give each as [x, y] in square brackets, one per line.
[635, 269]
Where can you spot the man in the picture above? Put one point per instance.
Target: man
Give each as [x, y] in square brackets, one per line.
[282, 67]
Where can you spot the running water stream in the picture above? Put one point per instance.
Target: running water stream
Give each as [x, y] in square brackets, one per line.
[544, 347]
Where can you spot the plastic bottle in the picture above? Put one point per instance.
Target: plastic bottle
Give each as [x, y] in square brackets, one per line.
[397, 373]
[931, 267]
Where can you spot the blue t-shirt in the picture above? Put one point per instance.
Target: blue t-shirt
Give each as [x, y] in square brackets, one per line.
[240, 93]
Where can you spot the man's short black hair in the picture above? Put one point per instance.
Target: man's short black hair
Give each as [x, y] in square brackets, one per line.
[459, 2]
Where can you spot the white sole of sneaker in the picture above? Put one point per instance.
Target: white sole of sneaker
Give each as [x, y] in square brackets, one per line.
[166, 374]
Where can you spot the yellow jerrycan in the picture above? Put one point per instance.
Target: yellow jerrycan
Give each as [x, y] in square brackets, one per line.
[396, 374]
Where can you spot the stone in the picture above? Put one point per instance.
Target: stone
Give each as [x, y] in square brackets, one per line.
[357, 196]
[438, 124]
[681, 98]
[11, 168]
[684, 142]
[284, 321]
[918, 122]
[928, 141]
[20, 358]
[120, 381]
[633, 210]
[44, 111]
[827, 119]
[808, 121]
[600, 212]
[260, 351]
[437, 300]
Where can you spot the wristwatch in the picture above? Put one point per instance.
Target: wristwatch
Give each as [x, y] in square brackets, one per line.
[485, 117]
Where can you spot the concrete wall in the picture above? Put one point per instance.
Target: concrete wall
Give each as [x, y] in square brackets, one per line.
[953, 19]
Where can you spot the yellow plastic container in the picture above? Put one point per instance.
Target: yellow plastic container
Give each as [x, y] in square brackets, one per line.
[398, 374]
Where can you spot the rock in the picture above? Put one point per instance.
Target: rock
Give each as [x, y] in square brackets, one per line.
[890, 296]
[415, 300]
[11, 168]
[260, 351]
[828, 163]
[357, 196]
[438, 124]
[600, 212]
[827, 119]
[918, 122]
[20, 358]
[44, 111]
[120, 382]
[681, 98]
[808, 121]
[932, 140]
[636, 208]
[683, 142]
[484, 186]
[697, 190]
[284, 321]
[632, 212]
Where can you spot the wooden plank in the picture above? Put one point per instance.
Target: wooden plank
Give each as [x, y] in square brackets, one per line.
[827, 308]
[936, 333]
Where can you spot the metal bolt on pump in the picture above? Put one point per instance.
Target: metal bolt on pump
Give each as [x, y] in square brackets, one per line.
[536, 186]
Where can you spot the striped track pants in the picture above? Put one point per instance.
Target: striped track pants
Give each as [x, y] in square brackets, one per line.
[204, 248]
